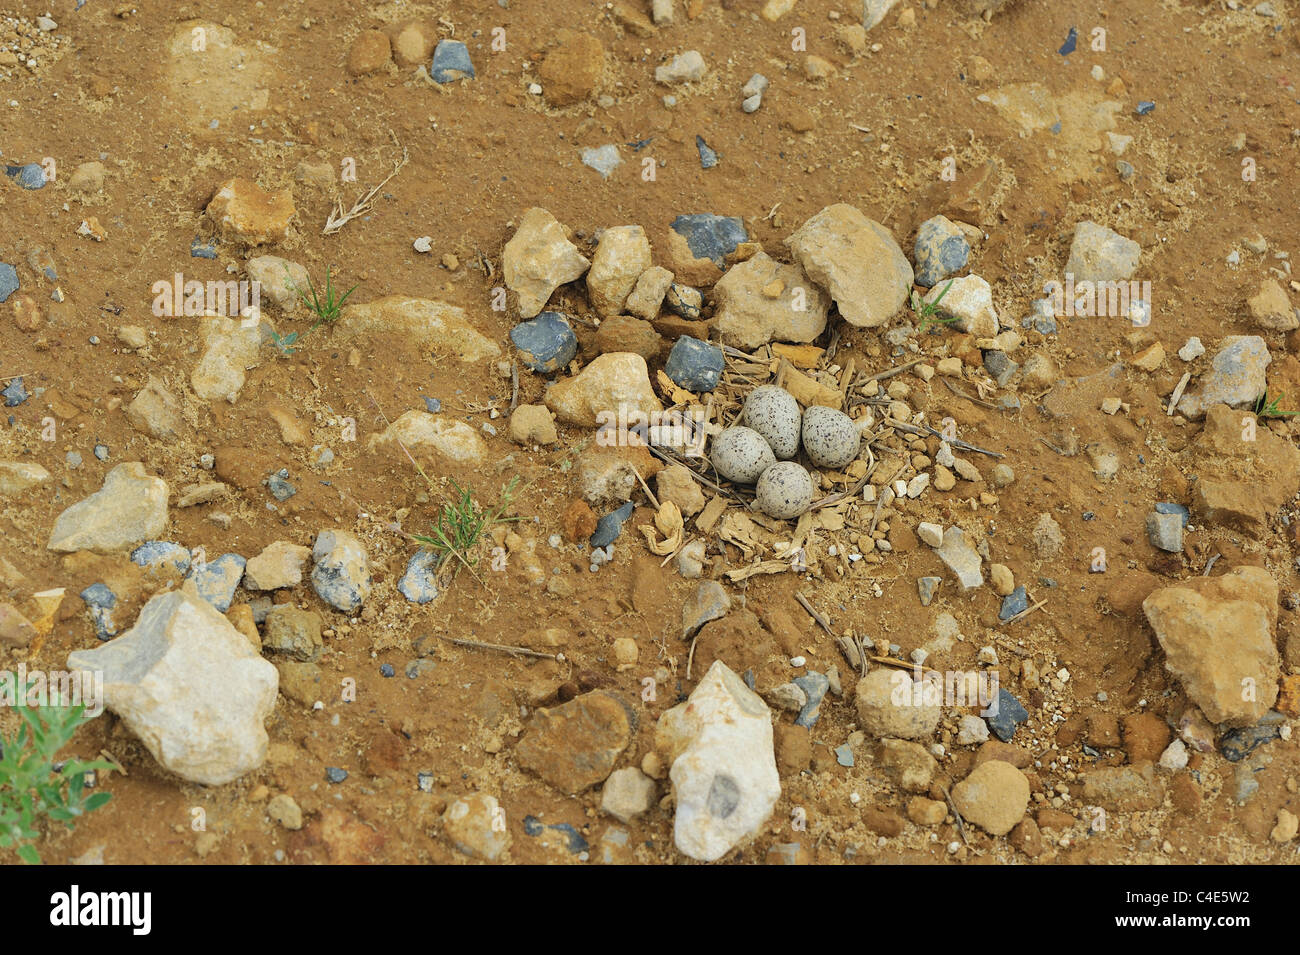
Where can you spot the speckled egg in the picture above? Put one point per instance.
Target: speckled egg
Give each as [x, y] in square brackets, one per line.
[773, 413]
[784, 491]
[741, 455]
[830, 437]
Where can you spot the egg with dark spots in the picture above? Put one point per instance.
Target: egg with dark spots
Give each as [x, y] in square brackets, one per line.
[741, 455]
[773, 413]
[830, 437]
[784, 491]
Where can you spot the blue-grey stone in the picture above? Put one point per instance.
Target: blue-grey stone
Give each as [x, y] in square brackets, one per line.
[708, 158]
[417, 668]
[386, 670]
[1145, 107]
[451, 62]
[1013, 603]
[15, 394]
[332, 575]
[695, 365]
[100, 601]
[610, 526]
[153, 555]
[1000, 366]
[1237, 744]
[1165, 531]
[217, 580]
[200, 249]
[432, 405]
[941, 250]
[603, 159]
[261, 606]
[42, 263]
[425, 781]
[1041, 317]
[844, 755]
[101, 452]
[1005, 715]
[711, 237]
[1169, 507]
[29, 176]
[926, 588]
[74, 460]
[419, 584]
[335, 775]
[573, 839]
[1009, 402]
[280, 488]
[533, 826]
[546, 343]
[1070, 43]
[684, 301]
[8, 280]
[815, 685]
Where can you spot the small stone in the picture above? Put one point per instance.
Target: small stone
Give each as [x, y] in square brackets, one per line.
[285, 811]
[1005, 714]
[216, 580]
[1165, 532]
[1014, 603]
[246, 211]
[627, 794]
[369, 53]
[538, 259]
[1175, 756]
[618, 379]
[1192, 350]
[129, 509]
[971, 731]
[969, 302]
[890, 705]
[279, 565]
[648, 295]
[708, 602]
[686, 67]
[926, 588]
[294, 632]
[1271, 308]
[575, 745]
[961, 558]
[28, 176]
[546, 344]
[695, 365]
[451, 62]
[941, 250]
[604, 159]
[532, 425]
[341, 575]
[610, 526]
[994, 797]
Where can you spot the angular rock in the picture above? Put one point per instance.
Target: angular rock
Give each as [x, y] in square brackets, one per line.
[627, 794]
[572, 70]
[621, 256]
[130, 508]
[532, 424]
[961, 558]
[623, 333]
[476, 826]
[419, 431]
[279, 280]
[969, 300]
[546, 343]
[941, 250]
[619, 379]
[698, 245]
[907, 764]
[279, 565]
[19, 476]
[575, 745]
[451, 62]
[1271, 308]
[709, 602]
[155, 411]
[723, 765]
[1123, 788]
[341, 575]
[1217, 634]
[762, 300]
[1236, 376]
[215, 581]
[648, 294]
[230, 350]
[243, 209]
[419, 584]
[539, 259]
[695, 365]
[857, 261]
[1099, 254]
[294, 632]
[435, 325]
[188, 684]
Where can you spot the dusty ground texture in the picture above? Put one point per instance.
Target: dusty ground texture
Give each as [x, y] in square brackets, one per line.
[934, 88]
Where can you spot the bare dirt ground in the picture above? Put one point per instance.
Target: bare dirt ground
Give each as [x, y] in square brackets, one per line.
[275, 101]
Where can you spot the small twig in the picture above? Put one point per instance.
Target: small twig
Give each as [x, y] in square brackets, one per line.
[955, 442]
[514, 384]
[971, 398]
[1064, 454]
[523, 651]
[695, 474]
[1178, 392]
[1210, 563]
[690, 657]
[340, 217]
[646, 487]
[961, 826]
[814, 613]
[896, 370]
[1024, 613]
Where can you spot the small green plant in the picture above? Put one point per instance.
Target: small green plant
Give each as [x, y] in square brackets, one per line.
[326, 305]
[927, 311]
[1264, 408]
[33, 786]
[462, 522]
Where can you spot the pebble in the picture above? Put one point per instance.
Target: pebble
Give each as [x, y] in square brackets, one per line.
[972, 730]
[695, 365]
[994, 797]
[1175, 756]
[627, 794]
[1100, 254]
[451, 62]
[199, 249]
[538, 259]
[217, 580]
[279, 486]
[708, 157]
[155, 555]
[969, 301]
[100, 601]
[814, 685]
[610, 526]
[941, 250]
[335, 775]
[1236, 376]
[15, 394]
[1165, 531]
[29, 176]
[931, 534]
[341, 575]
[546, 343]
[473, 825]
[386, 670]
[710, 236]
[128, 510]
[1008, 713]
[708, 602]
[1002, 580]
[1192, 350]
[926, 588]
[604, 159]
[684, 301]
[1237, 744]
[961, 558]
[1145, 107]
[687, 67]
[8, 281]
[881, 712]
[1013, 603]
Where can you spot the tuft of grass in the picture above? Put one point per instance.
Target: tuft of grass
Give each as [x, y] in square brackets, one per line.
[927, 311]
[1264, 408]
[33, 787]
[326, 304]
[462, 523]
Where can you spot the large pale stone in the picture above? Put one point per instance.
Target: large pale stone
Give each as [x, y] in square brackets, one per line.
[762, 300]
[1099, 254]
[279, 565]
[725, 781]
[277, 278]
[1237, 376]
[857, 261]
[243, 209]
[129, 509]
[622, 255]
[155, 411]
[420, 431]
[969, 300]
[19, 476]
[608, 382]
[434, 325]
[1217, 634]
[539, 259]
[231, 349]
[190, 686]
